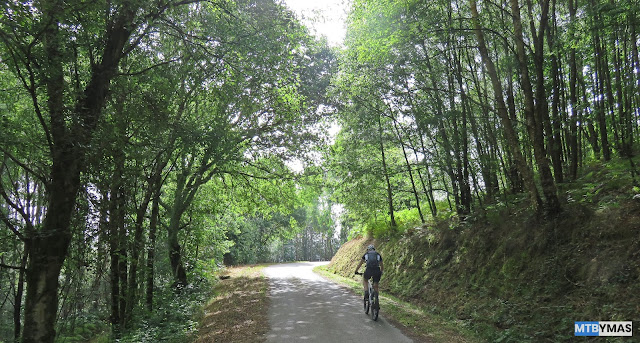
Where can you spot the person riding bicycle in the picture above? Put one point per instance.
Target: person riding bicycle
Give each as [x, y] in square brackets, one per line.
[373, 269]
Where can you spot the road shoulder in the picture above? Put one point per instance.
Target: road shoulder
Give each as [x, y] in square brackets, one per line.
[238, 311]
[412, 321]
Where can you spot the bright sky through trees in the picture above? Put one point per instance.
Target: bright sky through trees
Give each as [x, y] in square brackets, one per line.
[325, 17]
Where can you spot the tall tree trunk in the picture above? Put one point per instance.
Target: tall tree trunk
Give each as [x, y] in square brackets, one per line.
[187, 184]
[487, 169]
[427, 194]
[623, 106]
[554, 129]
[510, 134]
[534, 112]
[151, 248]
[137, 248]
[117, 243]
[103, 245]
[573, 98]
[634, 84]
[49, 248]
[386, 175]
[463, 174]
[175, 250]
[610, 101]
[452, 147]
[448, 166]
[599, 81]
[429, 190]
[153, 183]
[17, 303]
[409, 169]
[590, 132]
[196, 171]
[515, 177]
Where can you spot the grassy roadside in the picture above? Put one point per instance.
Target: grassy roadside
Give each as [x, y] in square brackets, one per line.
[238, 312]
[414, 322]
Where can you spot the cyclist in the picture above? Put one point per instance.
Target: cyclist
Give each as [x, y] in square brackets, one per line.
[373, 269]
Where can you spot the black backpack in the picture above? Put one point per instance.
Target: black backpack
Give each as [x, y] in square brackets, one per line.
[371, 258]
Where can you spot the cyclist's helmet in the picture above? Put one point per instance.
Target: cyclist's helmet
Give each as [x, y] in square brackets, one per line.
[371, 247]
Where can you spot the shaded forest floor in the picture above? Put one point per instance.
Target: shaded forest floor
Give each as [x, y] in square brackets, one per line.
[511, 276]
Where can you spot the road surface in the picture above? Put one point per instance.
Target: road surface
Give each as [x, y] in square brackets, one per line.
[308, 308]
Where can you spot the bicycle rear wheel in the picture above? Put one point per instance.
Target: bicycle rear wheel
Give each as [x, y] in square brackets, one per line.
[375, 307]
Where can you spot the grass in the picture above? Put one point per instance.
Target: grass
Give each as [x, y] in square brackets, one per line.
[413, 321]
[238, 312]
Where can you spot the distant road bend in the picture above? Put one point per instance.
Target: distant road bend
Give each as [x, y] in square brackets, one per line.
[307, 308]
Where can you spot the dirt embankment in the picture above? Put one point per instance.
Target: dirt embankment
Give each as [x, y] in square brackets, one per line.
[515, 277]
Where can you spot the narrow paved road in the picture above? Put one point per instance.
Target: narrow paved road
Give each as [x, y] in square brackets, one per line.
[308, 308]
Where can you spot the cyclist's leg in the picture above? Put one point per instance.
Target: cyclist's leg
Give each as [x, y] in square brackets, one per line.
[376, 278]
[365, 282]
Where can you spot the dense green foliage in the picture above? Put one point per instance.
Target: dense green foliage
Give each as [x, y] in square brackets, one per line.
[449, 107]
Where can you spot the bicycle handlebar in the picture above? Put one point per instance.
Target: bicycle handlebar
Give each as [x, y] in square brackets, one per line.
[357, 273]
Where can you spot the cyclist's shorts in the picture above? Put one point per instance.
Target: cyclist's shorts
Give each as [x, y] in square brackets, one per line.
[374, 273]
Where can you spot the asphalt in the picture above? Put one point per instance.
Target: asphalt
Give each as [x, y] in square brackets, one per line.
[308, 308]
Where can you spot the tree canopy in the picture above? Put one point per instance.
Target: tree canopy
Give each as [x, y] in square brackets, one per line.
[147, 143]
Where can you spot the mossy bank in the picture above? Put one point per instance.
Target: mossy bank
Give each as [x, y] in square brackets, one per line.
[511, 276]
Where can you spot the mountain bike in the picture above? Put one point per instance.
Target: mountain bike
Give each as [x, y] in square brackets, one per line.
[371, 303]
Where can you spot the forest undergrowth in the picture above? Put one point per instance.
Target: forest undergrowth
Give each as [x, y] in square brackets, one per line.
[509, 275]
[231, 308]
